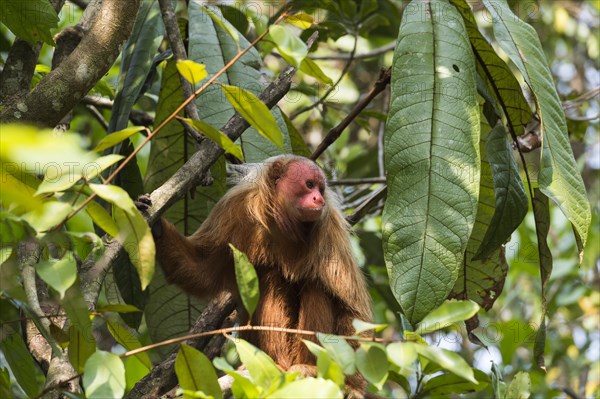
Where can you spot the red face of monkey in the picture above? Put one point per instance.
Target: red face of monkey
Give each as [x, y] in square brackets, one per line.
[303, 187]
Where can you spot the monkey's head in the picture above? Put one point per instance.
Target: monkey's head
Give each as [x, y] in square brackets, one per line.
[301, 189]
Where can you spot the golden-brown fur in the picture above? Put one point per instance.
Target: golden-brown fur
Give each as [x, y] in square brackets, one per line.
[308, 276]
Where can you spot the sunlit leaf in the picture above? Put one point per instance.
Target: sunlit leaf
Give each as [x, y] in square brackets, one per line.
[117, 137]
[59, 274]
[448, 360]
[255, 112]
[361, 326]
[195, 372]
[315, 388]
[247, 280]
[311, 68]
[217, 136]
[192, 71]
[104, 376]
[372, 362]
[290, 46]
[301, 20]
[449, 313]
[340, 351]
[261, 367]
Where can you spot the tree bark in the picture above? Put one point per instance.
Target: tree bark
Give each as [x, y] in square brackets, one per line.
[65, 86]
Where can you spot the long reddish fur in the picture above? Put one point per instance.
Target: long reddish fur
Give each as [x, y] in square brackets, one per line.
[308, 275]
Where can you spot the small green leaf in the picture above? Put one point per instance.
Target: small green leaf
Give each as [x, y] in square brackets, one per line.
[117, 137]
[301, 20]
[126, 337]
[339, 350]
[520, 387]
[311, 68]
[104, 376]
[372, 362]
[448, 313]
[192, 71]
[116, 196]
[326, 366]
[118, 308]
[290, 46]
[247, 280]
[136, 238]
[59, 274]
[217, 136]
[21, 363]
[102, 218]
[361, 326]
[196, 373]
[93, 169]
[5, 253]
[58, 180]
[402, 354]
[262, 368]
[255, 112]
[242, 386]
[448, 360]
[315, 388]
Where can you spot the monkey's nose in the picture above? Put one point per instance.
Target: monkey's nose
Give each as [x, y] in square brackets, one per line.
[319, 200]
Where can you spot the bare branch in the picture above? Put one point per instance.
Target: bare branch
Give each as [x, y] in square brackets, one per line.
[375, 53]
[378, 87]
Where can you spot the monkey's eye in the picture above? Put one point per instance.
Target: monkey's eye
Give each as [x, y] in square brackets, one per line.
[310, 185]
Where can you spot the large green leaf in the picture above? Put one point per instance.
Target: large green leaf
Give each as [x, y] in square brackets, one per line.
[496, 74]
[432, 157]
[137, 61]
[482, 280]
[511, 202]
[558, 178]
[247, 281]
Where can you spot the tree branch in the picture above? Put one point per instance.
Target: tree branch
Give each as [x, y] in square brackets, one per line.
[65, 86]
[378, 87]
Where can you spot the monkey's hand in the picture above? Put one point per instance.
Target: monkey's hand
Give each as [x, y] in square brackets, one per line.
[143, 204]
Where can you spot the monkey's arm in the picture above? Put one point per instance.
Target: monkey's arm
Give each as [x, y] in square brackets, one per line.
[199, 268]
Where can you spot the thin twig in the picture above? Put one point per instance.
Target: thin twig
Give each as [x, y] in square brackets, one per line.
[331, 89]
[355, 182]
[367, 206]
[347, 56]
[334, 134]
[253, 328]
[97, 115]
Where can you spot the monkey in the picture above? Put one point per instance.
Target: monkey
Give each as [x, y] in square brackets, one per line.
[286, 220]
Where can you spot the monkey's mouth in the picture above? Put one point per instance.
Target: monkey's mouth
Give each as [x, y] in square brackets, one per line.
[310, 214]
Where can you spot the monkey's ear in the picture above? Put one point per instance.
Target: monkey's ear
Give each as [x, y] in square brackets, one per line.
[276, 172]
